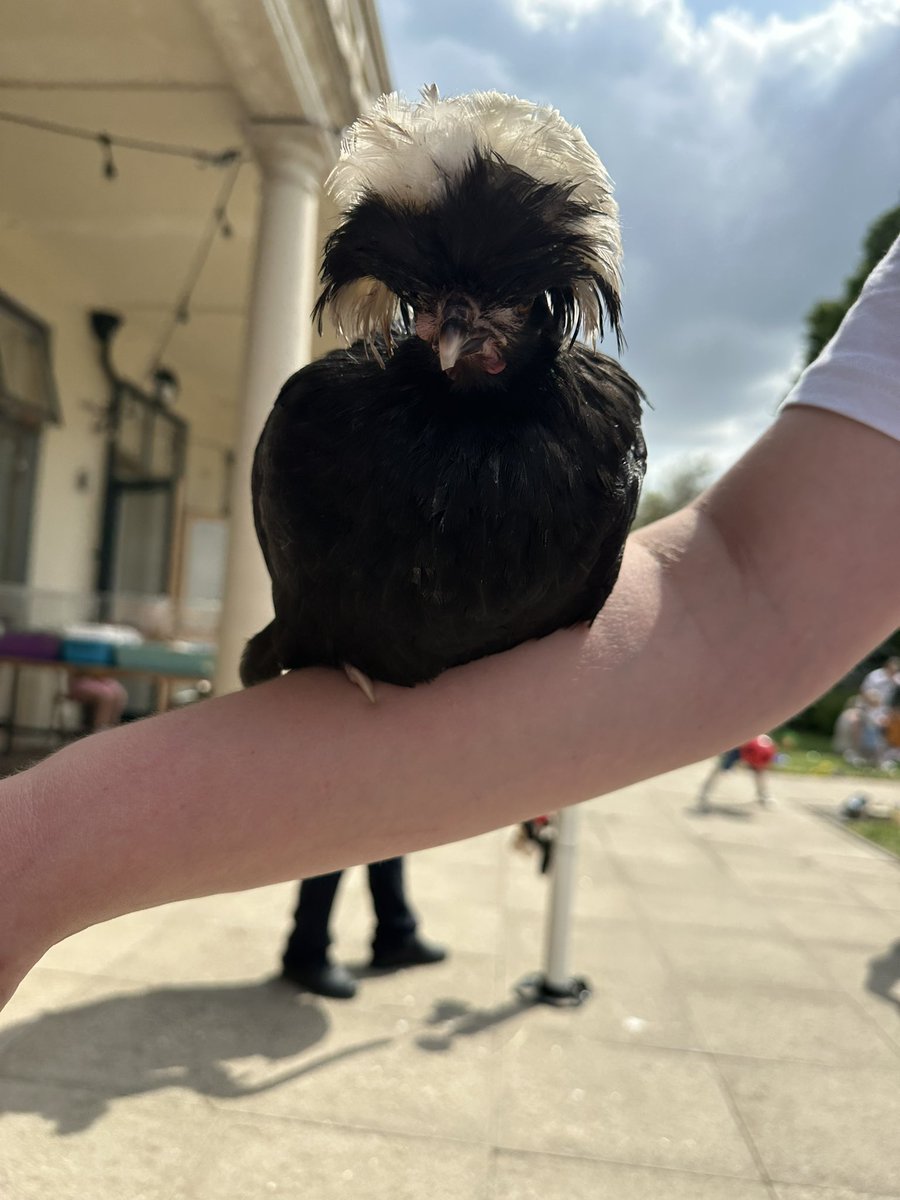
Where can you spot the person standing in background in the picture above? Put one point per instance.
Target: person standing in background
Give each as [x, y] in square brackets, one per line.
[396, 943]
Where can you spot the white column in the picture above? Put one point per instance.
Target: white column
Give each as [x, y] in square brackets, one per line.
[279, 339]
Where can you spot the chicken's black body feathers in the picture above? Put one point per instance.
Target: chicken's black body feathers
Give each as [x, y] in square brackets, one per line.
[409, 525]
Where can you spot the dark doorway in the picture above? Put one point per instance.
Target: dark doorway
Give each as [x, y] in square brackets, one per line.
[145, 459]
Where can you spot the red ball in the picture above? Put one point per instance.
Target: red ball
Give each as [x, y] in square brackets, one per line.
[758, 752]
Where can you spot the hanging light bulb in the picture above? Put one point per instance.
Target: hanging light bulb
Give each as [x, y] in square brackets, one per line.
[166, 385]
[225, 227]
[110, 170]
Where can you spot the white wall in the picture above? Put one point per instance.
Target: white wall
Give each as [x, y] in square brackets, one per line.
[66, 529]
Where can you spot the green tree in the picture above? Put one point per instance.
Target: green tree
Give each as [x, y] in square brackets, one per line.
[684, 483]
[824, 318]
[821, 324]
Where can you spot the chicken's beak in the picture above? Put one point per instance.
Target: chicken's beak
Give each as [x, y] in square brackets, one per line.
[453, 336]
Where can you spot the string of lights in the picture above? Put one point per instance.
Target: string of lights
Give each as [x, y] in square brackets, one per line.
[229, 159]
[217, 223]
[108, 141]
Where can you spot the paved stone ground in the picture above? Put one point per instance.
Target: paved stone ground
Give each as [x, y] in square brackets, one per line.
[742, 1043]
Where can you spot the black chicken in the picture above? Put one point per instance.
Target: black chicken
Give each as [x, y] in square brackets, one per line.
[427, 499]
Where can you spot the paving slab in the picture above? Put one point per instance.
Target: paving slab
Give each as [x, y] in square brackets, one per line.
[791, 1192]
[255, 1159]
[464, 979]
[720, 907]
[742, 1041]
[619, 1103]
[871, 976]
[43, 991]
[54, 1145]
[815, 1125]
[851, 924]
[599, 893]
[741, 957]
[783, 1024]
[636, 998]
[93, 950]
[882, 893]
[123, 1039]
[546, 1177]
[375, 1072]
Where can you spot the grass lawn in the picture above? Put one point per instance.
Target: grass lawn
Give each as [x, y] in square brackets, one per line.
[811, 754]
[884, 833]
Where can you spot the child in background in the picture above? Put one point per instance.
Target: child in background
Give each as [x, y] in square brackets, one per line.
[757, 754]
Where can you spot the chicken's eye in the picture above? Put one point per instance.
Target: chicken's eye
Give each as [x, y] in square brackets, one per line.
[524, 308]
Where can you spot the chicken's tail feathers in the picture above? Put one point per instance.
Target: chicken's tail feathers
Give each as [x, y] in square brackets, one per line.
[260, 660]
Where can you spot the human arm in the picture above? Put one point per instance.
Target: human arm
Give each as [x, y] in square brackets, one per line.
[727, 618]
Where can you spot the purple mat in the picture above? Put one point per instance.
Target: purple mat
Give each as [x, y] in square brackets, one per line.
[30, 645]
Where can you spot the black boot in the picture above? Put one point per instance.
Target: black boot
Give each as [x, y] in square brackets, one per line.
[412, 952]
[322, 979]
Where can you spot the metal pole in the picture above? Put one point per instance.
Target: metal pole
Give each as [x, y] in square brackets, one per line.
[562, 893]
[556, 985]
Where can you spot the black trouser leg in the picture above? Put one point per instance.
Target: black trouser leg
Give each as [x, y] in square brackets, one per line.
[395, 920]
[309, 941]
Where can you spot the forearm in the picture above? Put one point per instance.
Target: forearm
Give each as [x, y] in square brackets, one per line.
[693, 652]
[301, 775]
[808, 517]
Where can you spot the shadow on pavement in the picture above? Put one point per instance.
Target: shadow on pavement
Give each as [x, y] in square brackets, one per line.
[740, 812]
[461, 1020]
[884, 976]
[167, 1037]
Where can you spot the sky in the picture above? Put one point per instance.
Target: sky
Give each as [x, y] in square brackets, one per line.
[751, 145]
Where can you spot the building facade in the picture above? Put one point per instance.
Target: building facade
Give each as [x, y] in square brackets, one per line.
[160, 222]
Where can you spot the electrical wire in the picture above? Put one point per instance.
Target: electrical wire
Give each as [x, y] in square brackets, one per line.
[217, 223]
[212, 158]
[230, 159]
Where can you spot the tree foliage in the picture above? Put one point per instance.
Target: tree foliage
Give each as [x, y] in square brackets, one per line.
[824, 318]
[821, 325]
[683, 484]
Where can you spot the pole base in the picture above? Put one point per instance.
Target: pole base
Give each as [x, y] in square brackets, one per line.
[534, 989]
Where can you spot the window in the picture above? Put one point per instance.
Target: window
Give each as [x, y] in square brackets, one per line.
[147, 445]
[27, 388]
[18, 460]
[148, 441]
[28, 399]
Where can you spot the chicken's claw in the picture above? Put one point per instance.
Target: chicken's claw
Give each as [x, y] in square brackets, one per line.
[363, 682]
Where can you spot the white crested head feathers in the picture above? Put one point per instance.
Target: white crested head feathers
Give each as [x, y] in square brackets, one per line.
[406, 154]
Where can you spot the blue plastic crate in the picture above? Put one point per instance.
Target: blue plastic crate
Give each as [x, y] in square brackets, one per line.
[93, 653]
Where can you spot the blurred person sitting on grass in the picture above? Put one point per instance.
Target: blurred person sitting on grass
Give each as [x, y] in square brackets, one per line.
[892, 729]
[881, 683]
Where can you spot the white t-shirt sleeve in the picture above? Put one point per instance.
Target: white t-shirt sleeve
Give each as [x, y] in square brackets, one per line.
[858, 372]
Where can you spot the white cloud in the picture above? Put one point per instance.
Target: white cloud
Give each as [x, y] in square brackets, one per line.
[734, 20]
[539, 13]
